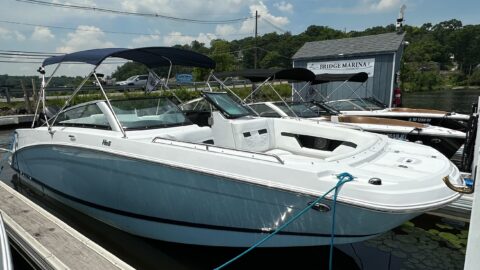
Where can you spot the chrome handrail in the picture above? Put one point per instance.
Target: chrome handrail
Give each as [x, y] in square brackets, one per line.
[208, 146]
[460, 189]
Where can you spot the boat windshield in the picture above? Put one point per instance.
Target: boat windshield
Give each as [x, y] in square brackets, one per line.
[227, 105]
[195, 105]
[322, 109]
[148, 113]
[344, 105]
[366, 104]
[300, 109]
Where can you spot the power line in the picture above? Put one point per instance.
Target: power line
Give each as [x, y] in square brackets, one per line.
[21, 57]
[72, 28]
[19, 62]
[100, 30]
[274, 25]
[29, 52]
[154, 15]
[38, 62]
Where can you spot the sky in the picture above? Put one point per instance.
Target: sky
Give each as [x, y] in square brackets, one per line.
[29, 25]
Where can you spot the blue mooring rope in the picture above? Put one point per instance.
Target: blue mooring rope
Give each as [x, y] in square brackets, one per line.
[342, 179]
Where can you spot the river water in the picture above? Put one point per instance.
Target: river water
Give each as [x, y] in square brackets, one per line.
[426, 242]
[459, 100]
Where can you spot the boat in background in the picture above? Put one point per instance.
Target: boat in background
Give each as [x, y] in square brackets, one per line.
[140, 165]
[371, 107]
[5, 256]
[445, 140]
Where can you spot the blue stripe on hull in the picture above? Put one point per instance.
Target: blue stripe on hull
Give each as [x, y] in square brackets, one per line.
[161, 202]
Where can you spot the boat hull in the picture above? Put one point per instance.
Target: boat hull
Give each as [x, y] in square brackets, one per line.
[448, 146]
[174, 204]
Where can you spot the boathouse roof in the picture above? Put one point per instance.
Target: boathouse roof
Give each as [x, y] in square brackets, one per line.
[374, 44]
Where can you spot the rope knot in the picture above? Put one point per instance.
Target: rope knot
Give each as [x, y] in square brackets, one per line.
[345, 177]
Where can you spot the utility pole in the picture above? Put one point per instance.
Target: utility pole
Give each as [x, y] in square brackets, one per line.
[256, 27]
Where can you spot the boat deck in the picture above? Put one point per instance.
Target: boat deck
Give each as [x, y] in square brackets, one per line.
[49, 242]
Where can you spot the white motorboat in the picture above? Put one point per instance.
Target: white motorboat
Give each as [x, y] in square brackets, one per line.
[5, 256]
[368, 105]
[371, 108]
[140, 165]
[445, 140]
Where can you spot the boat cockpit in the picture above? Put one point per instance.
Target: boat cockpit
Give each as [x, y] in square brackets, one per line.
[234, 127]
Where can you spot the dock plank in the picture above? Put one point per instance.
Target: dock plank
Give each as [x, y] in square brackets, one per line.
[64, 244]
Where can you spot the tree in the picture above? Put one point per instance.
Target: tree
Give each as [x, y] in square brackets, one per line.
[129, 69]
[221, 54]
[272, 59]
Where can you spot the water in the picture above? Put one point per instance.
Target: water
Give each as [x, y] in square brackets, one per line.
[426, 242]
[448, 100]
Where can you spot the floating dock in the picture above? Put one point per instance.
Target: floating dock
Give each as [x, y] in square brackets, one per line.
[46, 240]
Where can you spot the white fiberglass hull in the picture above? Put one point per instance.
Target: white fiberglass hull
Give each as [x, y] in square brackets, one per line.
[188, 193]
[5, 257]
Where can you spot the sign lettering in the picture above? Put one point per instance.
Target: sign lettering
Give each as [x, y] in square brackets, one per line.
[343, 66]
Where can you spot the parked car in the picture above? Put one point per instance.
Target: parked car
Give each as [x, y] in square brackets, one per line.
[136, 81]
[104, 80]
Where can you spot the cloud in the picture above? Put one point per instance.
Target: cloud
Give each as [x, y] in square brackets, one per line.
[248, 27]
[42, 34]
[385, 5]
[6, 34]
[186, 8]
[84, 37]
[366, 7]
[147, 40]
[284, 6]
[225, 29]
[176, 38]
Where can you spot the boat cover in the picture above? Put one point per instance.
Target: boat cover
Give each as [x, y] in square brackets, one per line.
[260, 75]
[150, 56]
[351, 77]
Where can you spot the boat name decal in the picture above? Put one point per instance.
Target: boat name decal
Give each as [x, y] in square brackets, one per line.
[420, 119]
[397, 136]
[106, 142]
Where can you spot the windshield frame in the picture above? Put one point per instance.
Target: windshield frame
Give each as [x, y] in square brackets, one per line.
[228, 114]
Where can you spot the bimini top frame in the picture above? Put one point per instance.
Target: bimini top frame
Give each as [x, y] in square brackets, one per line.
[152, 57]
[360, 77]
[266, 76]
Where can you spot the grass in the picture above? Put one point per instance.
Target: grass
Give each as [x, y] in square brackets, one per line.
[183, 93]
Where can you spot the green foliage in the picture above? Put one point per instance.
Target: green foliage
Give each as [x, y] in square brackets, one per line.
[421, 76]
[129, 69]
[474, 79]
[220, 53]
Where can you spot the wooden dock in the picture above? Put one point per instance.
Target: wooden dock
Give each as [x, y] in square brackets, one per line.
[49, 242]
[17, 119]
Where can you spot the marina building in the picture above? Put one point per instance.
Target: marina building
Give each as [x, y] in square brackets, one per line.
[377, 55]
